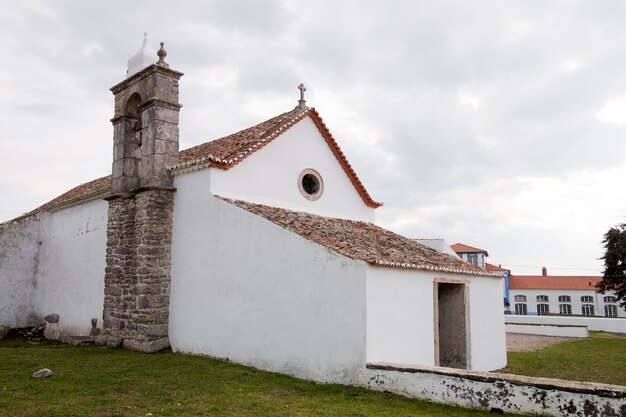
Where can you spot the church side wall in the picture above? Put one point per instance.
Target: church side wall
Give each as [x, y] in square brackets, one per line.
[486, 318]
[400, 316]
[248, 290]
[19, 263]
[71, 279]
[270, 176]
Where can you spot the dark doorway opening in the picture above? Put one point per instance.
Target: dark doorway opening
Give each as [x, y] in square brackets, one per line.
[451, 325]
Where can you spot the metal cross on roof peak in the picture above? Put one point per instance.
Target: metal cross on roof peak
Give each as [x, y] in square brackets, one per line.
[302, 101]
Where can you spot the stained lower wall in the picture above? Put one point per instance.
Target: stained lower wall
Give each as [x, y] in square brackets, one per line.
[19, 265]
[248, 290]
[499, 392]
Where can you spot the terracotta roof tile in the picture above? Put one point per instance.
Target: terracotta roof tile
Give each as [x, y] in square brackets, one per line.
[363, 241]
[490, 267]
[98, 186]
[461, 248]
[553, 282]
[226, 152]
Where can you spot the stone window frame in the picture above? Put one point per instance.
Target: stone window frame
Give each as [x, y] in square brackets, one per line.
[320, 183]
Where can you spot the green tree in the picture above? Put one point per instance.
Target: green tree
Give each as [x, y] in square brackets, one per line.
[615, 263]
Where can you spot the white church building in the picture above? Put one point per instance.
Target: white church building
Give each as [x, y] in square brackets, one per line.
[260, 247]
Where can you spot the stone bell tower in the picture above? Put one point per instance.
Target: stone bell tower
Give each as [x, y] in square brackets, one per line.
[139, 234]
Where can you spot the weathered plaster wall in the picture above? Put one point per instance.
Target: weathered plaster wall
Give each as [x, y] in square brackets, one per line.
[19, 263]
[500, 392]
[248, 290]
[400, 316]
[486, 318]
[71, 274]
[270, 176]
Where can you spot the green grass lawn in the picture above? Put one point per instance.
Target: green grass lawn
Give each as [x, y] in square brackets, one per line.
[94, 381]
[599, 358]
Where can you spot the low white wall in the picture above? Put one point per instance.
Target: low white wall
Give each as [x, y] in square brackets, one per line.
[548, 330]
[246, 289]
[615, 325]
[499, 392]
[19, 263]
[71, 274]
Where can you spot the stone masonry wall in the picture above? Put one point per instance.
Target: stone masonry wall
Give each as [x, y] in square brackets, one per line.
[137, 276]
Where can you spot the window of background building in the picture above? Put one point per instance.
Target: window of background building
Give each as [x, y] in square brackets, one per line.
[542, 298]
[586, 299]
[543, 309]
[565, 309]
[610, 310]
[610, 299]
[565, 299]
[520, 298]
[588, 310]
[472, 258]
[521, 309]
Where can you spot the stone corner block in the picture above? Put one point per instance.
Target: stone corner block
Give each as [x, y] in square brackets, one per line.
[145, 346]
[108, 341]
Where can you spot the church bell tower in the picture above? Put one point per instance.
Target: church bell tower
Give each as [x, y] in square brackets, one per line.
[139, 233]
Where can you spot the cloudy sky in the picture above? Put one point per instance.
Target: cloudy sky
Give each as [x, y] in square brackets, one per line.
[498, 124]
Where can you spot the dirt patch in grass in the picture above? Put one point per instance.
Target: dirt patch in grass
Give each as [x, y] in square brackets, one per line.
[519, 342]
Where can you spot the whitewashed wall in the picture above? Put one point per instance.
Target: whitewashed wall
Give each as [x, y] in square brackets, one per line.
[19, 262]
[400, 325]
[71, 274]
[246, 289]
[488, 338]
[270, 176]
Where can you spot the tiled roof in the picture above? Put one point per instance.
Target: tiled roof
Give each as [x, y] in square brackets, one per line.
[490, 267]
[228, 151]
[92, 188]
[362, 241]
[461, 248]
[540, 282]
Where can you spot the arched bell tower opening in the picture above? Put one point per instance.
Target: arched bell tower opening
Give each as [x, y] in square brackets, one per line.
[139, 230]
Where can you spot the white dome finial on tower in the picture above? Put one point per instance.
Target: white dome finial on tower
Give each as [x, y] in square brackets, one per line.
[142, 59]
